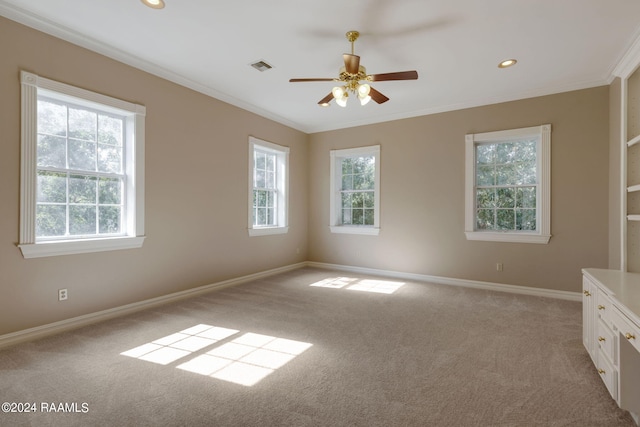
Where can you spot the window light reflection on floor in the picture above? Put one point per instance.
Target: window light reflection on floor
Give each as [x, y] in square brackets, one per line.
[355, 284]
[244, 360]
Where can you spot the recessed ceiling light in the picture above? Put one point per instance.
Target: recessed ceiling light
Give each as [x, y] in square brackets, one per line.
[325, 104]
[155, 4]
[507, 63]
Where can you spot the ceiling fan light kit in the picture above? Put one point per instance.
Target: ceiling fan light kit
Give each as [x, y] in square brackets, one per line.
[352, 74]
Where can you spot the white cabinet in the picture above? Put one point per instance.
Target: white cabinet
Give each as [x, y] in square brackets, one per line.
[611, 332]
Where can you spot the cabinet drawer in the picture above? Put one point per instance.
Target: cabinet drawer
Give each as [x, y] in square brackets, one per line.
[604, 307]
[628, 330]
[608, 374]
[606, 341]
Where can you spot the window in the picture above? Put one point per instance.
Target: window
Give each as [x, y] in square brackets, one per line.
[268, 187]
[355, 194]
[82, 186]
[508, 185]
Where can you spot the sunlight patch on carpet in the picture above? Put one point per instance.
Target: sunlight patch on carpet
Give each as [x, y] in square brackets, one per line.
[355, 284]
[245, 360]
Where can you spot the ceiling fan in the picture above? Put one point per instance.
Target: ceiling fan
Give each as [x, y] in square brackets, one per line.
[352, 74]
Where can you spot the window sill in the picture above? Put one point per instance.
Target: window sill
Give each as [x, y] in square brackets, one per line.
[70, 247]
[341, 229]
[267, 231]
[508, 237]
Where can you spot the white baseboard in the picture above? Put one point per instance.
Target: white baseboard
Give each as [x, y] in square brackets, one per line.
[524, 290]
[76, 322]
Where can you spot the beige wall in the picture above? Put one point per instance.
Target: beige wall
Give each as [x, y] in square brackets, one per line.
[196, 191]
[422, 194]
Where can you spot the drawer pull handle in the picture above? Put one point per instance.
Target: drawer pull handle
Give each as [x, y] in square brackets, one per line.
[629, 336]
[587, 293]
[601, 339]
[600, 307]
[601, 371]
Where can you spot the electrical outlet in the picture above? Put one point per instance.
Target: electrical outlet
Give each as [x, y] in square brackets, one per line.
[499, 266]
[62, 294]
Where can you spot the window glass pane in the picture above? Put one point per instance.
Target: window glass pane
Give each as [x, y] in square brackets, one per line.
[346, 216]
[262, 216]
[485, 198]
[485, 175]
[359, 165]
[109, 158]
[346, 200]
[505, 152]
[271, 162]
[110, 130]
[109, 191]
[347, 166]
[369, 199]
[526, 151]
[347, 182]
[82, 189]
[82, 124]
[260, 179]
[357, 200]
[358, 182]
[357, 216]
[526, 219]
[82, 220]
[82, 155]
[260, 198]
[529, 173]
[506, 174]
[51, 220]
[368, 217]
[109, 219]
[526, 197]
[270, 216]
[260, 160]
[505, 219]
[485, 219]
[52, 151]
[52, 187]
[52, 118]
[271, 180]
[485, 153]
[505, 197]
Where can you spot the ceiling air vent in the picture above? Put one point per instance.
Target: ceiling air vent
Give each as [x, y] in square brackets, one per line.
[261, 66]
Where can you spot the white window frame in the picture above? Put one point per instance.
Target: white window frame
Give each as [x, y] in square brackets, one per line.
[133, 224]
[282, 184]
[542, 235]
[335, 201]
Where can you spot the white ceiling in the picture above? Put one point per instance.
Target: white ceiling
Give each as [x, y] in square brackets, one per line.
[455, 45]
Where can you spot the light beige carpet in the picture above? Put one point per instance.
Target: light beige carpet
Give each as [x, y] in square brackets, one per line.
[318, 348]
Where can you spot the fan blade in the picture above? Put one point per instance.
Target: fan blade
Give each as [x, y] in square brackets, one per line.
[311, 80]
[326, 99]
[351, 63]
[377, 96]
[400, 75]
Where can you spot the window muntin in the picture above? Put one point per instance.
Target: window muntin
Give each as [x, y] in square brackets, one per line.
[355, 177]
[508, 185]
[268, 187]
[82, 170]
